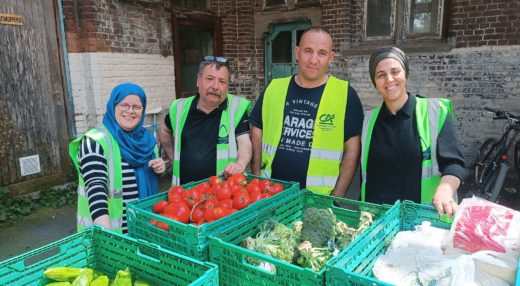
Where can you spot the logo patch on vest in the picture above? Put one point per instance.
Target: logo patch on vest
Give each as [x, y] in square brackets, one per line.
[223, 135]
[326, 122]
[427, 154]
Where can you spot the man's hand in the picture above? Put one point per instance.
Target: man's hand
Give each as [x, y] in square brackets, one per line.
[233, 168]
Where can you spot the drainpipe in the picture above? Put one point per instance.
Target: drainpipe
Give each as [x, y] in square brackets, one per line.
[67, 69]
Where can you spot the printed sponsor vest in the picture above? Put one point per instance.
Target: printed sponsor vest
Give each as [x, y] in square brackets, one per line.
[227, 150]
[115, 179]
[327, 139]
[430, 114]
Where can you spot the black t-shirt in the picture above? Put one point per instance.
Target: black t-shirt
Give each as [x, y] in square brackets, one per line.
[199, 141]
[291, 160]
[395, 157]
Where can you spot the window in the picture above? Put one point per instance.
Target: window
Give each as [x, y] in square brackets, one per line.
[198, 5]
[400, 20]
[274, 3]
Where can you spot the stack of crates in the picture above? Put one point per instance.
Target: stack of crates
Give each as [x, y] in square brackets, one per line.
[232, 259]
[192, 240]
[108, 252]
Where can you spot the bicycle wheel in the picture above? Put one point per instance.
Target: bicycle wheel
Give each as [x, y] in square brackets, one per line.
[493, 185]
[484, 166]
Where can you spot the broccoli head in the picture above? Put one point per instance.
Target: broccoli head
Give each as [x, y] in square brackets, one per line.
[318, 226]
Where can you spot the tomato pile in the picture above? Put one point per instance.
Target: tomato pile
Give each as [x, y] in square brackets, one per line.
[213, 199]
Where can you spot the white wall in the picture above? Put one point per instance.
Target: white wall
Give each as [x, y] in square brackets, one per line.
[94, 75]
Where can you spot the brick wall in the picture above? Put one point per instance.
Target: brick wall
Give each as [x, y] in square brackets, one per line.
[94, 75]
[471, 77]
[114, 41]
[119, 26]
[485, 22]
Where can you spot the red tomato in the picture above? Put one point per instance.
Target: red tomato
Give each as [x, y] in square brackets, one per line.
[241, 200]
[192, 196]
[175, 197]
[227, 203]
[264, 184]
[197, 213]
[209, 215]
[223, 193]
[153, 221]
[237, 179]
[256, 196]
[210, 203]
[219, 212]
[236, 189]
[255, 181]
[215, 181]
[159, 206]
[162, 225]
[253, 187]
[179, 211]
[232, 211]
[276, 188]
[202, 188]
[176, 189]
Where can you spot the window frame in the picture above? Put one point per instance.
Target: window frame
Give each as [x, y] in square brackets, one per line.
[401, 35]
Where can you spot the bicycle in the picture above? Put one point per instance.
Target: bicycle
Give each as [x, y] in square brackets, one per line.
[492, 165]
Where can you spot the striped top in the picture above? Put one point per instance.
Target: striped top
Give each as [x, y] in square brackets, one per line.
[93, 166]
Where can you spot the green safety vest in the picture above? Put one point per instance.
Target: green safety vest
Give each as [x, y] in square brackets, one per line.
[227, 152]
[327, 139]
[430, 114]
[115, 179]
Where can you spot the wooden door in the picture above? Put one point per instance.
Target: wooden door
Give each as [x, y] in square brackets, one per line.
[33, 107]
[280, 43]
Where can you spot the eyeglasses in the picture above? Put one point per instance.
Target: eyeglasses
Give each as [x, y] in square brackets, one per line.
[220, 60]
[126, 107]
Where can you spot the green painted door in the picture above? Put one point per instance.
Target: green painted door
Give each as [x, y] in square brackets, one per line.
[280, 43]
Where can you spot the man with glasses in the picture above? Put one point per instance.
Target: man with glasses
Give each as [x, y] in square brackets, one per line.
[306, 127]
[208, 134]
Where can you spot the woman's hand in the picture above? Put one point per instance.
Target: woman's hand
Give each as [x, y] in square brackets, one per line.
[158, 166]
[443, 198]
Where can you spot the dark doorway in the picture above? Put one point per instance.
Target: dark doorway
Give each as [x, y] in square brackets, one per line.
[195, 36]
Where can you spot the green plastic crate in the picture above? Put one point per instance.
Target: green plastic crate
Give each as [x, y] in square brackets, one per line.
[188, 239]
[226, 252]
[355, 267]
[108, 252]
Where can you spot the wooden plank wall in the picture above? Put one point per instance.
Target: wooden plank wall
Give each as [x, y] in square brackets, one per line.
[32, 92]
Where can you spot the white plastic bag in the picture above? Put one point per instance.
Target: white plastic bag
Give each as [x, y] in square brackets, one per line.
[483, 225]
[416, 258]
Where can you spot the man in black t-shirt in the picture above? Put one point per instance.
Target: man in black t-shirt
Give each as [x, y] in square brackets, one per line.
[297, 117]
[207, 134]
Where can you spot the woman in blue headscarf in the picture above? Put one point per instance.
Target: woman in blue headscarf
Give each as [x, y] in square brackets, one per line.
[116, 161]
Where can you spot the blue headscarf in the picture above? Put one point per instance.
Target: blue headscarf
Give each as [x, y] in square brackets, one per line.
[136, 146]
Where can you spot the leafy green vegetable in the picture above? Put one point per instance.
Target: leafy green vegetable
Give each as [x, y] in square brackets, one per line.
[318, 226]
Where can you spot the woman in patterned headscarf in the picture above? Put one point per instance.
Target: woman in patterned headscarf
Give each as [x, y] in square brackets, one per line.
[116, 161]
[409, 143]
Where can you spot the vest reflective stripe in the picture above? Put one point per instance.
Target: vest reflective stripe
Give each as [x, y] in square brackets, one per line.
[269, 149]
[115, 181]
[326, 154]
[226, 151]
[328, 136]
[312, 182]
[430, 115]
